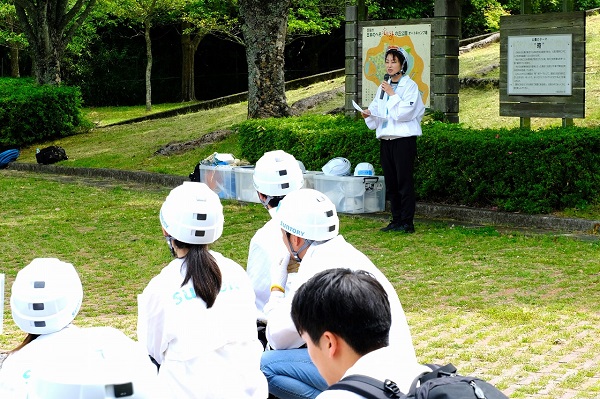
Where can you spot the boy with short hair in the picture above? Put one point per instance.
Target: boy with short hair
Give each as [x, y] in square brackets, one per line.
[344, 316]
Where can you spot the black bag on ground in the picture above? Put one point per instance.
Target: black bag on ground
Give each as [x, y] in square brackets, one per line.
[52, 154]
[441, 383]
[195, 175]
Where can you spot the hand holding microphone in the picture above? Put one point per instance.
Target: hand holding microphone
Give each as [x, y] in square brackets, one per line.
[386, 79]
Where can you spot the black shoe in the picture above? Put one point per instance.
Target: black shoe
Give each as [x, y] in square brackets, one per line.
[391, 226]
[405, 228]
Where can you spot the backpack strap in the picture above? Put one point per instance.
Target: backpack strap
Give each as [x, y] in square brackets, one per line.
[437, 372]
[370, 388]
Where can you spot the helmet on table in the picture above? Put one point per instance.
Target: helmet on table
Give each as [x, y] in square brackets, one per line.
[46, 296]
[192, 213]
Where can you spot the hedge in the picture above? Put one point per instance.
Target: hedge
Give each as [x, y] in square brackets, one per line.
[31, 113]
[513, 170]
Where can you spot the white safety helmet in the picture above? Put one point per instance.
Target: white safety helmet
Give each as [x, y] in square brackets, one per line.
[308, 214]
[277, 173]
[364, 169]
[337, 167]
[46, 296]
[193, 214]
[99, 363]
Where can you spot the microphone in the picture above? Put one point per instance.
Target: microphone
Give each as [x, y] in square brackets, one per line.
[385, 77]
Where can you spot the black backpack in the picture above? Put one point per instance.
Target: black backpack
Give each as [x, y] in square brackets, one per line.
[52, 154]
[441, 383]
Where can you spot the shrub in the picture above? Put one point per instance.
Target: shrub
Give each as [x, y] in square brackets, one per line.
[31, 113]
[514, 170]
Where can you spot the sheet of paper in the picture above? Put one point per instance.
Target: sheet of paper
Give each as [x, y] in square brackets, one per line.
[356, 106]
[359, 109]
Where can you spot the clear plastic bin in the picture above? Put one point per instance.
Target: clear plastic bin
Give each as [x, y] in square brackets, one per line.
[245, 184]
[353, 194]
[220, 179]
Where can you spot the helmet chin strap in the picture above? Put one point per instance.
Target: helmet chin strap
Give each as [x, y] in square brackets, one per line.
[295, 253]
[266, 201]
[170, 243]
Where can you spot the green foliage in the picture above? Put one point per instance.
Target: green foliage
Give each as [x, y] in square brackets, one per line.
[513, 170]
[309, 17]
[312, 139]
[31, 113]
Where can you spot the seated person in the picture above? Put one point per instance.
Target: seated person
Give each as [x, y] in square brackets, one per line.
[344, 316]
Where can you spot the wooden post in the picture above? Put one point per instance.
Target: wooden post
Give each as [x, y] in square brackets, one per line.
[567, 7]
[351, 51]
[445, 58]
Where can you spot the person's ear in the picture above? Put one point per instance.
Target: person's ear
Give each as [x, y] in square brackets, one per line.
[296, 241]
[330, 343]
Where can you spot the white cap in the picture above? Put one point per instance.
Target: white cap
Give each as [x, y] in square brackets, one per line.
[337, 167]
[364, 169]
[46, 296]
[193, 214]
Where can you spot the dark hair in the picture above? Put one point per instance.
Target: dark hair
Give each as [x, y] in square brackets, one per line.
[203, 270]
[401, 58]
[351, 304]
[29, 338]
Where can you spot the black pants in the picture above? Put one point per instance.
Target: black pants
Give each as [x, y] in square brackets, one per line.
[398, 163]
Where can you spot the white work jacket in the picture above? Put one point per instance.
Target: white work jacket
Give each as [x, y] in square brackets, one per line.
[203, 353]
[266, 251]
[281, 332]
[398, 115]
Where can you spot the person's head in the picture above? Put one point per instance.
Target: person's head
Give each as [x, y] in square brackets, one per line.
[276, 174]
[102, 363]
[342, 315]
[306, 216]
[192, 214]
[46, 296]
[396, 61]
[191, 218]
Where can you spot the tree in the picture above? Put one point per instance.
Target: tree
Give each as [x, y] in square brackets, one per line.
[49, 26]
[201, 18]
[264, 28]
[11, 35]
[146, 13]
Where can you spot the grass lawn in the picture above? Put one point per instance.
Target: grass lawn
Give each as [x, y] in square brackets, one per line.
[520, 310]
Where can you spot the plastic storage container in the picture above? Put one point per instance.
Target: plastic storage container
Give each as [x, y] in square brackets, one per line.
[221, 179]
[245, 184]
[353, 194]
[309, 178]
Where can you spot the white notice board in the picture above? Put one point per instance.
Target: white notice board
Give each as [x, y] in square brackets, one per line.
[540, 65]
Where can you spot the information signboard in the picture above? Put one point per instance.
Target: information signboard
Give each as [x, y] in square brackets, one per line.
[540, 65]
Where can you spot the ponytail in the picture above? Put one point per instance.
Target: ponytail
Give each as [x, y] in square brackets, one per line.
[202, 269]
[29, 338]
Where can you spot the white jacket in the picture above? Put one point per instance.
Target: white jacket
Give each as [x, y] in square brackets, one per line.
[398, 115]
[381, 364]
[266, 251]
[281, 332]
[203, 353]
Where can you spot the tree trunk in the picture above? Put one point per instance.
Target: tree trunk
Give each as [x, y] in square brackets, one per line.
[14, 61]
[49, 26]
[147, 26]
[189, 45]
[264, 29]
